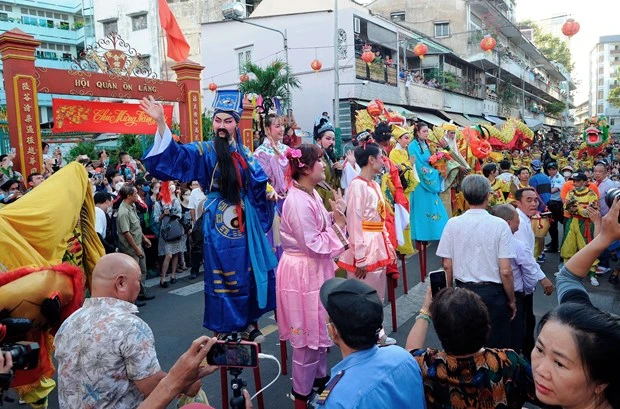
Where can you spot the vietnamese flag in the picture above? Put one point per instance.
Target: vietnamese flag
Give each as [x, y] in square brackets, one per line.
[178, 47]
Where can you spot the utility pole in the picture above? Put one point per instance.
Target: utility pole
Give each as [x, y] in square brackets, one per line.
[336, 121]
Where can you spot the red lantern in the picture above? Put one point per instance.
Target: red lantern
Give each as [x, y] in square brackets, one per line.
[212, 86]
[316, 65]
[367, 55]
[375, 108]
[243, 77]
[420, 50]
[570, 27]
[488, 43]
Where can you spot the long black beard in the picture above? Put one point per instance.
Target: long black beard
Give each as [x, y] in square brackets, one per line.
[331, 154]
[229, 187]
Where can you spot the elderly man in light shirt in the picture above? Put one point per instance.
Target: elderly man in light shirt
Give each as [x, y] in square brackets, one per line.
[527, 206]
[526, 272]
[476, 248]
[604, 185]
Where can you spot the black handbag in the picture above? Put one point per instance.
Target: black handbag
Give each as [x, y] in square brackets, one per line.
[171, 228]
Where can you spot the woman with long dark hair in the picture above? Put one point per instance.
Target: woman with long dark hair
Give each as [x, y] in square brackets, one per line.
[311, 238]
[428, 215]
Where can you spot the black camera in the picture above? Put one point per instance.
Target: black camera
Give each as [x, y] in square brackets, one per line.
[25, 354]
[611, 195]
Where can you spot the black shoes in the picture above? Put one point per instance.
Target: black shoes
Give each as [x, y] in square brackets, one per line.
[140, 303]
[163, 284]
[173, 280]
[145, 297]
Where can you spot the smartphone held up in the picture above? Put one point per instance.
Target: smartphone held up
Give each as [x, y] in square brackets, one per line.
[438, 281]
[227, 353]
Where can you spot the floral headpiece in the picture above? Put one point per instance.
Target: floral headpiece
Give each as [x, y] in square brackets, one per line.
[295, 154]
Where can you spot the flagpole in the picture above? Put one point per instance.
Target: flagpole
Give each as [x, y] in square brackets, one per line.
[162, 35]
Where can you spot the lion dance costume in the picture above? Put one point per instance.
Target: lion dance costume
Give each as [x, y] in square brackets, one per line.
[48, 249]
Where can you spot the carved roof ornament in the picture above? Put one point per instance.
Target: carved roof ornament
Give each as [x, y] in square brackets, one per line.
[113, 55]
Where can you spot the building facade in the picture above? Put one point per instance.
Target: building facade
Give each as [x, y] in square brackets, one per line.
[63, 28]
[604, 76]
[515, 74]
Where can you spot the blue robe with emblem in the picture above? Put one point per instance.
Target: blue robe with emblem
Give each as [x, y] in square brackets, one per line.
[233, 297]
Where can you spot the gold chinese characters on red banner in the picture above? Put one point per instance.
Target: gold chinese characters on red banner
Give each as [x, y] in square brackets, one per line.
[28, 118]
[72, 115]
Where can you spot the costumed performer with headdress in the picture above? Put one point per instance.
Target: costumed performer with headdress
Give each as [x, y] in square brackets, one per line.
[428, 214]
[239, 262]
[400, 157]
[456, 169]
[38, 233]
[397, 204]
[311, 237]
[271, 156]
[370, 250]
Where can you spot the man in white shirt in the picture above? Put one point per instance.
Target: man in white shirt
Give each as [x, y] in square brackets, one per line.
[505, 172]
[527, 206]
[103, 202]
[604, 184]
[195, 198]
[476, 249]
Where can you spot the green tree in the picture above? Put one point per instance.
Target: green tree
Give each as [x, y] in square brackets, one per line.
[552, 47]
[555, 108]
[82, 148]
[270, 81]
[614, 94]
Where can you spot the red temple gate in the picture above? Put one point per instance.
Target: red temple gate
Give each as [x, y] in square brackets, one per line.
[122, 75]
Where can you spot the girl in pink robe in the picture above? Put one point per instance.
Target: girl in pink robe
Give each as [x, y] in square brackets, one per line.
[311, 238]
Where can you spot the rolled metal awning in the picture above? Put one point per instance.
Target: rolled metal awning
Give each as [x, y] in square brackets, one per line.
[497, 121]
[457, 118]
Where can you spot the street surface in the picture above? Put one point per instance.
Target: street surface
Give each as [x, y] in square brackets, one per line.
[175, 316]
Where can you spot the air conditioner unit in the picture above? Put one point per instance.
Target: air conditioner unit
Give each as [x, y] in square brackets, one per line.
[356, 25]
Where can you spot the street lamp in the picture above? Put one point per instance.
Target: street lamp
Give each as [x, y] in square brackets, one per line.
[236, 11]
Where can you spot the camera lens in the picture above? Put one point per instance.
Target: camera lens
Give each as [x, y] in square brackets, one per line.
[611, 195]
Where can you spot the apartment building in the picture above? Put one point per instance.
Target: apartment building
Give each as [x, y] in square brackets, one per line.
[604, 76]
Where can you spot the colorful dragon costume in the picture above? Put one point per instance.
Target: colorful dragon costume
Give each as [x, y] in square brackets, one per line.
[48, 249]
[595, 135]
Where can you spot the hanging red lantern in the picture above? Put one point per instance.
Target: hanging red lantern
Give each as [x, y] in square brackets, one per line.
[367, 55]
[316, 65]
[570, 27]
[212, 86]
[488, 43]
[244, 77]
[420, 50]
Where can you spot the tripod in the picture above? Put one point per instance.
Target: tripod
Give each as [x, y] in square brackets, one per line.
[237, 401]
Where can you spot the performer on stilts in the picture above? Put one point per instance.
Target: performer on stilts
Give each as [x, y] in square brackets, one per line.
[239, 262]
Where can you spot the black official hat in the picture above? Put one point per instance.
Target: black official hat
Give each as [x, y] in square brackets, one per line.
[354, 307]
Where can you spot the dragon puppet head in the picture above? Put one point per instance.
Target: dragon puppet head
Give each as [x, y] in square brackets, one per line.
[477, 138]
[595, 134]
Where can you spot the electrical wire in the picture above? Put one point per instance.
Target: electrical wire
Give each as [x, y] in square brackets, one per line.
[273, 358]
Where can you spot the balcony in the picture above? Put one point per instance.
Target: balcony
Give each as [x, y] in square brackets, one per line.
[375, 72]
[48, 34]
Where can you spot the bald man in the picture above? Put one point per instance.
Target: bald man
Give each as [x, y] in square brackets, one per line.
[106, 354]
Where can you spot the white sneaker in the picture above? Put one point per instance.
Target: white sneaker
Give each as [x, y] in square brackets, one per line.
[602, 270]
[387, 341]
[594, 281]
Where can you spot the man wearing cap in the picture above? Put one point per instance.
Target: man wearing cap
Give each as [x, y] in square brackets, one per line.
[238, 261]
[555, 205]
[368, 376]
[579, 229]
[604, 185]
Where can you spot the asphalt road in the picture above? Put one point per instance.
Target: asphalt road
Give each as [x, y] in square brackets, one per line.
[175, 316]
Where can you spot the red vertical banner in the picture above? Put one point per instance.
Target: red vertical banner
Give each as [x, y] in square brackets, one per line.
[246, 125]
[28, 131]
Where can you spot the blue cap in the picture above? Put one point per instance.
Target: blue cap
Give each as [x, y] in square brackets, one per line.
[228, 101]
[536, 164]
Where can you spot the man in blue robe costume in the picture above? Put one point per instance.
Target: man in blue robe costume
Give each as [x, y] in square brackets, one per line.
[239, 264]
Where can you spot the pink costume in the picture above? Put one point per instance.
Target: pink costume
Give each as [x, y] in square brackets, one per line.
[368, 235]
[310, 242]
[275, 166]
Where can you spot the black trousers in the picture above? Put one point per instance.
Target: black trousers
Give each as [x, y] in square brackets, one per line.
[557, 213]
[517, 325]
[495, 299]
[530, 326]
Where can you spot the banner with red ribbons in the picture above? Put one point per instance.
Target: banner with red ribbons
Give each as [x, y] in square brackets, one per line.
[72, 115]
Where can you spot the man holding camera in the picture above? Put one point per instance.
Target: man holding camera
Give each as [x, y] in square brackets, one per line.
[106, 354]
[367, 376]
